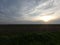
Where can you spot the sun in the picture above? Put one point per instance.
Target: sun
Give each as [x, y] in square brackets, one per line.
[47, 18]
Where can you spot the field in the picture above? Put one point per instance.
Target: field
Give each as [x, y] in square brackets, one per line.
[29, 34]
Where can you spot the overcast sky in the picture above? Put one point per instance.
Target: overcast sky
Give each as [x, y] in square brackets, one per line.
[28, 11]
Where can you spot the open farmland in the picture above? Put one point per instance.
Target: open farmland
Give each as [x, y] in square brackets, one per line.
[29, 34]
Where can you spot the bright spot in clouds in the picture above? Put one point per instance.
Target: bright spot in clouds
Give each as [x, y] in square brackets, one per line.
[47, 18]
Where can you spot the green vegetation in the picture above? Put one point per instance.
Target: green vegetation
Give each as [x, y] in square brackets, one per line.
[30, 38]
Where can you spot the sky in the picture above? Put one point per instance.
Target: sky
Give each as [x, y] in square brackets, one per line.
[29, 11]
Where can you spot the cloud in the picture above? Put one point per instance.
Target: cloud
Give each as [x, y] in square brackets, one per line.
[27, 10]
[50, 7]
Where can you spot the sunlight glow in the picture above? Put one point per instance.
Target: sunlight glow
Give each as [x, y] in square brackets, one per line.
[47, 18]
